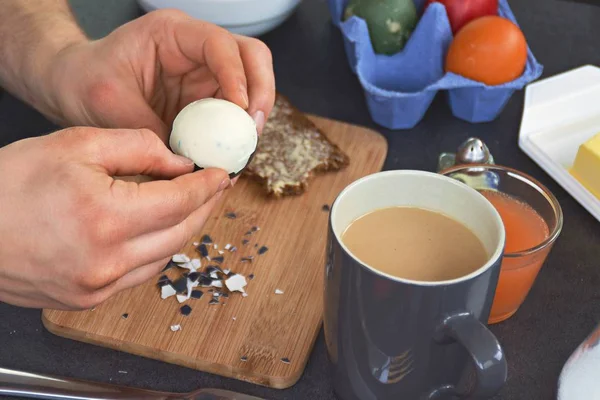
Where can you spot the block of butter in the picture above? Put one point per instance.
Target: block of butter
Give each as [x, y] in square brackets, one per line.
[586, 168]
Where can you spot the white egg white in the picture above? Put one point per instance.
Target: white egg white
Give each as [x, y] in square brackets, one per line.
[215, 133]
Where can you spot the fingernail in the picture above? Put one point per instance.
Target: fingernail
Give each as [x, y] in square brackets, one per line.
[225, 183]
[183, 160]
[244, 94]
[259, 119]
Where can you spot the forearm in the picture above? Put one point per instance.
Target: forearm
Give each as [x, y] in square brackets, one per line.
[32, 33]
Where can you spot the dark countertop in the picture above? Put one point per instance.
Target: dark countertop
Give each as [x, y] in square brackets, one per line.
[311, 69]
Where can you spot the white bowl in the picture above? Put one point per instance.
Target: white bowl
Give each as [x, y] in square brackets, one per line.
[244, 17]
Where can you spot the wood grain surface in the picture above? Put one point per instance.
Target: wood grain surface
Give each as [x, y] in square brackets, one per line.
[262, 328]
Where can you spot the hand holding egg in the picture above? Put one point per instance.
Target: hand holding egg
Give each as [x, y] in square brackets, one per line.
[143, 73]
[99, 235]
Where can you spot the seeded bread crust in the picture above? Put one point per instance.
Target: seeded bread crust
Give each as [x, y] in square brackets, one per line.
[291, 149]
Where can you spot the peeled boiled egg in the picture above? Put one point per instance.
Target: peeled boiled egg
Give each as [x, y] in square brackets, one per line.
[215, 133]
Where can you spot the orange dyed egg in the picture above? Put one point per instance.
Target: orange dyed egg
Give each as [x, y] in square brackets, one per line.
[489, 49]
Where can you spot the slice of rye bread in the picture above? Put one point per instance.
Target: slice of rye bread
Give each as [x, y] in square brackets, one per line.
[291, 149]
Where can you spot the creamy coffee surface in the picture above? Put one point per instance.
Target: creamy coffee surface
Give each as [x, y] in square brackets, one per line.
[414, 243]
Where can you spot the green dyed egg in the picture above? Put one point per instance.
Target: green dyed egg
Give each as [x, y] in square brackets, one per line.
[390, 22]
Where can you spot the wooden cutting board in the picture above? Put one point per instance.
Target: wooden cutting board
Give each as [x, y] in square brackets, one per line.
[248, 337]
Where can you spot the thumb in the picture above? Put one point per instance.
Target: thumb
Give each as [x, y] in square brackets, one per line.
[123, 152]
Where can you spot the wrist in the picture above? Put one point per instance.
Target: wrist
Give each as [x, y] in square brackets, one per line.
[34, 36]
[52, 82]
[44, 81]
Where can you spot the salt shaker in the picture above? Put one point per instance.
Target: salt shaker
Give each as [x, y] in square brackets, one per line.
[580, 376]
[472, 151]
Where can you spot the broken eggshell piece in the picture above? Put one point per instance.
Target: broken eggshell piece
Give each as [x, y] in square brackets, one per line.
[215, 133]
[167, 291]
[180, 258]
[236, 283]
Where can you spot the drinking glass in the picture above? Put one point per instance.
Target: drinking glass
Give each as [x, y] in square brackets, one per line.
[519, 269]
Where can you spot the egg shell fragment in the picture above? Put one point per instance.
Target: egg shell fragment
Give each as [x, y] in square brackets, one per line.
[236, 283]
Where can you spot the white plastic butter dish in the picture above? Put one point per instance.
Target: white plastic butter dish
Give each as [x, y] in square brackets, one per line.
[560, 114]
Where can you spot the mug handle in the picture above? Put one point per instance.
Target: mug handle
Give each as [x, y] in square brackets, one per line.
[485, 350]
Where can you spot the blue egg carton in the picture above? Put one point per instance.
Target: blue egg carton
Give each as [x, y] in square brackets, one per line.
[400, 88]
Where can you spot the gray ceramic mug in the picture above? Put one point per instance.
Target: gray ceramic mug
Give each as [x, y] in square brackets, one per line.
[393, 338]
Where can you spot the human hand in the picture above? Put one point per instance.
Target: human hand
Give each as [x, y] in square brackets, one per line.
[142, 74]
[72, 235]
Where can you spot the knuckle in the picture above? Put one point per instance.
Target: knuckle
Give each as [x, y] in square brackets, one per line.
[216, 31]
[146, 135]
[162, 21]
[72, 131]
[106, 228]
[97, 277]
[87, 283]
[170, 14]
[97, 222]
[82, 302]
[74, 137]
[86, 301]
[220, 31]
[217, 39]
[260, 49]
[86, 142]
[148, 140]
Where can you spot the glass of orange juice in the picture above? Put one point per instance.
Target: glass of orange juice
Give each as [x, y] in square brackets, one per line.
[532, 219]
